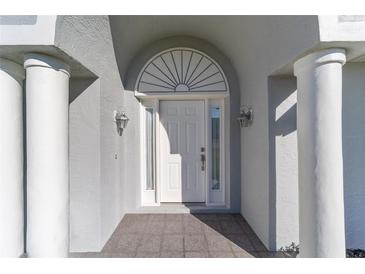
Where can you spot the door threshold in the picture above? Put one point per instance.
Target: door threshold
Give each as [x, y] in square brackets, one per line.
[183, 208]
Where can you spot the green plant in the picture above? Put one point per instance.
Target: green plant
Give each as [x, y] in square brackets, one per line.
[292, 249]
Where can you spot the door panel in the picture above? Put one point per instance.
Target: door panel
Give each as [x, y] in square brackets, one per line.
[182, 136]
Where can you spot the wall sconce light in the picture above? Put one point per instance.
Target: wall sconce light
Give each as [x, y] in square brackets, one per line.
[121, 119]
[246, 116]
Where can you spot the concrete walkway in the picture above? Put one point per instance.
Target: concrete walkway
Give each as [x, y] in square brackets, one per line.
[183, 236]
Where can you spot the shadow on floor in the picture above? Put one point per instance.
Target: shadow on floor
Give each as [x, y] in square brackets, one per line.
[183, 236]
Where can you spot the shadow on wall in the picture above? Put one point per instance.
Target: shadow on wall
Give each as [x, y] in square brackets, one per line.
[353, 146]
[283, 182]
[85, 163]
[13, 20]
[78, 86]
[283, 199]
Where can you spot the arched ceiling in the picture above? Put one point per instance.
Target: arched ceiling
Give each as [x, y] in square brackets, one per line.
[132, 33]
[269, 42]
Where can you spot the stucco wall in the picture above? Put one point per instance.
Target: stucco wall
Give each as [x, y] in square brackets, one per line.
[269, 44]
[131, 154]
[353, 134]
[283, 157]
[88, 40]
[29, 30]
[84, 142]
[283, 162]
[288, 38]
[342, 28]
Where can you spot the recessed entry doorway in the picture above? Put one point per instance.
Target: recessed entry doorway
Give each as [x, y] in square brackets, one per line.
[184, 131]
[183, 151]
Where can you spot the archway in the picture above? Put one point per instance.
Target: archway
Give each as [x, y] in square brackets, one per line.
[183, 75]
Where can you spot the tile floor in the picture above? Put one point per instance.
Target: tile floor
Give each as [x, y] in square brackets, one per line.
[183, 236]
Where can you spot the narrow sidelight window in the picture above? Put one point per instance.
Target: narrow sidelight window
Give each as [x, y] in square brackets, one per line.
[215, 114]
[150, 159]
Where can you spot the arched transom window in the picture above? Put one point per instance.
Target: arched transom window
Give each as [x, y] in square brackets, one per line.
[181, 70]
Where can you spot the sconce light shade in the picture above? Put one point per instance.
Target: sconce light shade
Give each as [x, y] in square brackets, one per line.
[246, 116]
[121, 119]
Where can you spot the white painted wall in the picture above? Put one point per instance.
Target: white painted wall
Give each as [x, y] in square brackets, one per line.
[131, 161]
[29, 30]
[285, 39]
[353, 135]
[85, 180]
[286, 173]
[285, 152]
[283, 162]
[273, 42]
[341, 28]
[88, 40]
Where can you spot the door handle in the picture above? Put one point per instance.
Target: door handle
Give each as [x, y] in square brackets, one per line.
[202, 159]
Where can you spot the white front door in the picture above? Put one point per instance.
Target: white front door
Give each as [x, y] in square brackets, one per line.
[182, 144]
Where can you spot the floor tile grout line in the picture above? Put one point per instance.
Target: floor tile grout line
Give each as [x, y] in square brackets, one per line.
[183, 243]
[220, 226]
[162, 236]
[206, 240]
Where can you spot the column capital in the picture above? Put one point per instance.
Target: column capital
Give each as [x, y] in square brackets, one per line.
[315, 59]
[46, 61]
[12, 68]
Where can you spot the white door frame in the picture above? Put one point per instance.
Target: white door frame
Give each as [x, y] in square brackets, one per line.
[219, 197]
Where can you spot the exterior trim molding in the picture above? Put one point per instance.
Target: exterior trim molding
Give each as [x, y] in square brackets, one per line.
[41, 60]
[333, 55]
[180, 70]
[12, 68]
[181, 95]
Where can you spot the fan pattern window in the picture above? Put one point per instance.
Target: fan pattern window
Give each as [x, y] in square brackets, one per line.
[181, 70]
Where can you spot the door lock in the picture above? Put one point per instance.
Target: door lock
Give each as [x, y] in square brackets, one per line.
[202, 158]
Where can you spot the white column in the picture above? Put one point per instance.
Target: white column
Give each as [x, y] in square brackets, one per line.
[11, 159]
[319, 127]
[47, 91]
